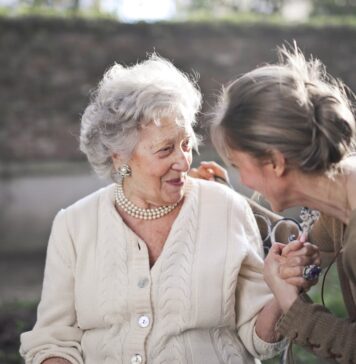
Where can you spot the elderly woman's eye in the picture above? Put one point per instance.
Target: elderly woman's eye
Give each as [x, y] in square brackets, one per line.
[187, 144]
[165, 149]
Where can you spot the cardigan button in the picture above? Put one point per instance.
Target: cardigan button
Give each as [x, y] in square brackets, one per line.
[136, 359]
[143, 321]
[142, 282]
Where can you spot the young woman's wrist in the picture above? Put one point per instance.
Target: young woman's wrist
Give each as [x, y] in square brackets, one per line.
[286, 301]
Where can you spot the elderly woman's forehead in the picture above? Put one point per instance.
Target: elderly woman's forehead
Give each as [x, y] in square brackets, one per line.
[161, 132]
[176, 131]
[169, 126]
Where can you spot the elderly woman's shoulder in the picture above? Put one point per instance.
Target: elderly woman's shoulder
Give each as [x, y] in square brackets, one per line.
[218, 191]
[101, 197]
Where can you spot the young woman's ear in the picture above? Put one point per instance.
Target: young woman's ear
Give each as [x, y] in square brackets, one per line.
[278, 163]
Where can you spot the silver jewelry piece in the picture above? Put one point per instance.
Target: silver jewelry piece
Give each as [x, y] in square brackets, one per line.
[124, 170]
[138, 212]
[311, 272]
[308, 217]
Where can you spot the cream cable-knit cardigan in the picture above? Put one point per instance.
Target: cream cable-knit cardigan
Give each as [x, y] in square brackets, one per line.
[201, 297]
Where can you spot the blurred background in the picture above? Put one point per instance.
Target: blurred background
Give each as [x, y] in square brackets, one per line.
[53, 53]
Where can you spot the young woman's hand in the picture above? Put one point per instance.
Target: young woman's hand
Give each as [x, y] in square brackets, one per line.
[284, 292]
[295, 257]
[209, 171]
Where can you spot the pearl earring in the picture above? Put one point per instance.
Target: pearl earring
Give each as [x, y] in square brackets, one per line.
[124, 171]
[121, 172]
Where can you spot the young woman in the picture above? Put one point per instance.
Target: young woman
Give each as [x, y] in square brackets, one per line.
[290, 129]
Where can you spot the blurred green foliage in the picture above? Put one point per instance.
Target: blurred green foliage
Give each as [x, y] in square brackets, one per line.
[274, 19]
[334, 7]
[322, 13]
[15, 318]
[320, 7]
[41, 11]
[201, 16]
[57, 8]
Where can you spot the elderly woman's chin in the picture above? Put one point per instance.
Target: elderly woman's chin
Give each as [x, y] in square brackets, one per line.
[174, 190]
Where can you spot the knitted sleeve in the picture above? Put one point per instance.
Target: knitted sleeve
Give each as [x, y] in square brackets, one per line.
[315, 328]
[252, 293]
[55, 333]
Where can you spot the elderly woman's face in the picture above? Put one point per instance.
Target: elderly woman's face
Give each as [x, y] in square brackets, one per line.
[159, 164]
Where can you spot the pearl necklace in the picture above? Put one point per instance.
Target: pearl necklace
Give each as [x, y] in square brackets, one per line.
[138, 212]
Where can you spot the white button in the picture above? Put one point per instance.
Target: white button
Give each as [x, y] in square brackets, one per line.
[136, 359]
[143, 321]
[142, 282]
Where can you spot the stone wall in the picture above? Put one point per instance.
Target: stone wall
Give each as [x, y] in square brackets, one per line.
[49, 66]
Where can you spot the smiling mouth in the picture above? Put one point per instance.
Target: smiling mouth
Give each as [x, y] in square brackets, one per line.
[176, 182]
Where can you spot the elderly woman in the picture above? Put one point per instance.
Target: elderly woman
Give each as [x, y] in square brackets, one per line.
[157, 267]
[289, 128]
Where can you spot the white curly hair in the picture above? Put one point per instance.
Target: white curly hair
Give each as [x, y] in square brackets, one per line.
[129, 98]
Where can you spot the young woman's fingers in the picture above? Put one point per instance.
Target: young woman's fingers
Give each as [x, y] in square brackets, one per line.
[301, 283]
[206, 173]
[292, 247]
[287, 272]
[194, 173]
[216, 168]
[307, 249]
[302, 260]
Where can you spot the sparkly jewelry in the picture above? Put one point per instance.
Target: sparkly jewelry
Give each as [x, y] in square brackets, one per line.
[308, 217]
[311, 272]
[121, 172]
[138, 212]
[124, 170]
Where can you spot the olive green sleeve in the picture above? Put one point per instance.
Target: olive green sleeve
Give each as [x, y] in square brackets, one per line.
[316, 329]
[322, 236]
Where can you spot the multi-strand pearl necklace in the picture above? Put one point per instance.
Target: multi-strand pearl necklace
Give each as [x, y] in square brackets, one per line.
[138, 212]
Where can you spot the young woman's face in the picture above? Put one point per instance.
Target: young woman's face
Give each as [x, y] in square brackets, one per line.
[259, 176]
[159, 164]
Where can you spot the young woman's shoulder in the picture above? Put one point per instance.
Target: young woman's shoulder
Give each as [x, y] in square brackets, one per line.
[350, 169]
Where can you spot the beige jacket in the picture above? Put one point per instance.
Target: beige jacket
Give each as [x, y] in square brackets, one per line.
[101, 302]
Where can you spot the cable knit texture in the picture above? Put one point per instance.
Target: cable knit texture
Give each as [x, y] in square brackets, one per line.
[314, 326]
[199, 302]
